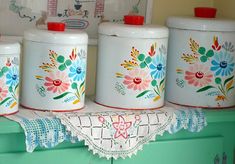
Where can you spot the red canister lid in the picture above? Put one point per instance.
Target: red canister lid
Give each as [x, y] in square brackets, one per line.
[205, 12]
[55, 26]
[134, 19]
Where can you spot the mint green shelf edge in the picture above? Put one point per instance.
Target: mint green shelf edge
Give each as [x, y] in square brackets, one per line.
[227, 115]
[221, 125]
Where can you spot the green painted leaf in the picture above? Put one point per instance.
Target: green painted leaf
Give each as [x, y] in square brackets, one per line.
[154, 83]
[62, 67]
[143, 65]
[83, 92]
[227, 80]
[218, 80]
[1, 74]
[74, 85]
[148, 60]
[61, 96]
[203, 59]
[205, 88]
[161, 82]
[82, 84]
[210, 53]
[141, 57]
[16, 86]
[142, 94]
[5, 69]
[5, 100]
[10, 89]
[68, 62]
[60, 59]
[202, 50]
[230, 89]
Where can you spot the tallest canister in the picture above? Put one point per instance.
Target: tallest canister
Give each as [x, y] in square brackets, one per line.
[201, 62]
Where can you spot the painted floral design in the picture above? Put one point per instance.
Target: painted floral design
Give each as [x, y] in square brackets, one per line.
[223, 64]
[198, 75]
[64, 77]
[12, 77]
[9, 83]
[216, 46]
[77, 70]
[158, 67]
[137, 79]
[210, 70]
[145, 73]
[57, 82]
[3, 90]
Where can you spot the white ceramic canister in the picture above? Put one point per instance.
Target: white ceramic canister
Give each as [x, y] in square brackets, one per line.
[201, 62]
[131, 66]
[54, 69]
[9, 77]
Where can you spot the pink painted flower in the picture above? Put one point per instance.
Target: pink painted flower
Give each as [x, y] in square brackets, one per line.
[198, 75]
[57, 82]
[3, 90]
[137, 80]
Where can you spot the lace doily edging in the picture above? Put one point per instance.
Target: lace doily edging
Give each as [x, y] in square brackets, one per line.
[96, 150]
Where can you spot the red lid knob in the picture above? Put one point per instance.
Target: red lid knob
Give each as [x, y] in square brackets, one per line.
[55, 26]
[205, 12]
[134, 19]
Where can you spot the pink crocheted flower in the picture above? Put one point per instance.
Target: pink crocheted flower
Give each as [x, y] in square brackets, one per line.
[57, 82]
[198, 75]
[121, 127]
[3, 90]
[137, 80]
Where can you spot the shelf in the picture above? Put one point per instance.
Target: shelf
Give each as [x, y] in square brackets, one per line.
[212, 116]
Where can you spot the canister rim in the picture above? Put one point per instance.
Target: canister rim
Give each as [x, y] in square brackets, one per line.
[9, 48]
[133, 31]
[201, 24]
[56, 37]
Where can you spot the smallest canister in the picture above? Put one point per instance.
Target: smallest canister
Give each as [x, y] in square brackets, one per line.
[9, 77]
[131, 64]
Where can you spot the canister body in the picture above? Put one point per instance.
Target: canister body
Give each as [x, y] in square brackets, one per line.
[53, 76]
[131, 72]
[9, 83]
[201, 68]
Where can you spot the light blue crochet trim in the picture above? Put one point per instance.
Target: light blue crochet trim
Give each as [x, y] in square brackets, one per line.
[44, 132]
[190, 119]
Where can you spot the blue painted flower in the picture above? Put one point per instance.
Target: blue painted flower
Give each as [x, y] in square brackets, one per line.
[12, 77]
[223, 64]
[78, 70]
[158, 67]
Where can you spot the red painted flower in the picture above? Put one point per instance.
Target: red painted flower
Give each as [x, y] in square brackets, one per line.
[8, 63]
[57, 82]
[73, 55]
[216, 45]
[137, 80]
[198, 75]
[3, 90]
[152, 50]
